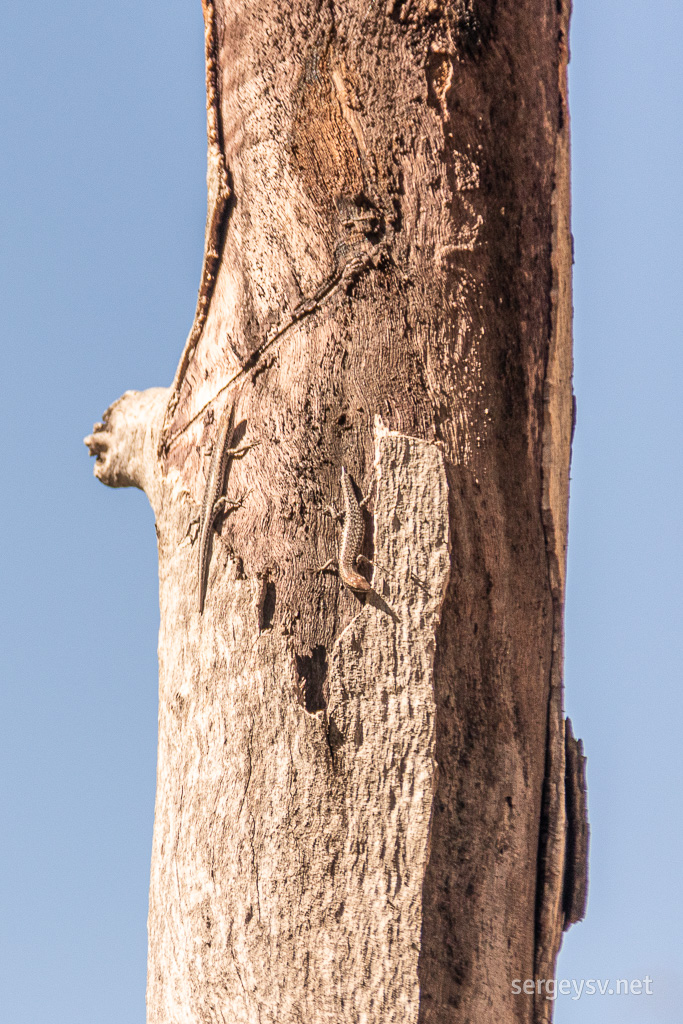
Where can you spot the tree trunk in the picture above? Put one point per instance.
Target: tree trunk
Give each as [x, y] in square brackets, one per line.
[361, 809]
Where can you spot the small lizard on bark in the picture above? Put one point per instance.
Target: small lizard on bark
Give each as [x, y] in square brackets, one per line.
[352, 539]
[213, 503]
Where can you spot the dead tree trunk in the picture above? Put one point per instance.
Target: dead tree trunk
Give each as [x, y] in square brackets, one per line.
[361, 808]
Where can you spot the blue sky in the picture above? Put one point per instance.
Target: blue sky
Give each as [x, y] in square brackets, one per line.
[103, 202]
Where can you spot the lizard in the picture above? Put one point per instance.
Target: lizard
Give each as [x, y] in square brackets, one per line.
[352, 541]
[214, 503]
[352, 538]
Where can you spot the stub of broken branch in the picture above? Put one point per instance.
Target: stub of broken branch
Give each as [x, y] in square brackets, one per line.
[125, 442]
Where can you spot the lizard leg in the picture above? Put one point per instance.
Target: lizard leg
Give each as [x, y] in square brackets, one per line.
[331, 565]
[224, 505]
[361, 559]
[238, 453]
[366, 499]
[333, 513]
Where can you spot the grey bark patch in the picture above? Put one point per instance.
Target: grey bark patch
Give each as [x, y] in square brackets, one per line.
[303, 837]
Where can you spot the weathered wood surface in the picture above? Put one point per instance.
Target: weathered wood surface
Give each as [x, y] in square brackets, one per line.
[361, 810]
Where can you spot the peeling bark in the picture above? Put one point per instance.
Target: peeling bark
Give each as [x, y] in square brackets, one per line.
[367, 808]
[575, 894]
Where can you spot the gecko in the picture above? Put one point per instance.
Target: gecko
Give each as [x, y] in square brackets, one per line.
[213, 503]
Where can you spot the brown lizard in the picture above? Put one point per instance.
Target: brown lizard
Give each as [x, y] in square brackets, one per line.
[213, 503]
[352, 538]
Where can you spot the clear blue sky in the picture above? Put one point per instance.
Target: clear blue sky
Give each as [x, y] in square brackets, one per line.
[102, 166]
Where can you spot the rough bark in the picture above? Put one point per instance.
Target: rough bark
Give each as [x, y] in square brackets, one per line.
[361, 807]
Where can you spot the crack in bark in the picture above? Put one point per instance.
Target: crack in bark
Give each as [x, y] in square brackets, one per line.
[237, 970]
[246, 788]
[254, 864]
